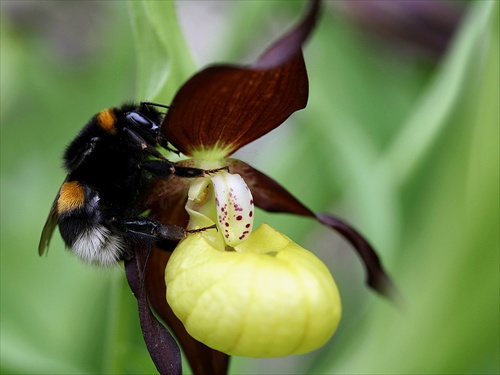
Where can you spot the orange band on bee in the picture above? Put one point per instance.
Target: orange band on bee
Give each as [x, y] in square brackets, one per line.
[71, 197]
[107, 120]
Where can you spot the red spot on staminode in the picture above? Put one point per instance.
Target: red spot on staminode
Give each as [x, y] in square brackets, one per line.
[250, 213]
[247, 226]
[239, 217]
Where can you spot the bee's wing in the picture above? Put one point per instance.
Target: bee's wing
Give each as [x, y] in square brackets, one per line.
[49, 227]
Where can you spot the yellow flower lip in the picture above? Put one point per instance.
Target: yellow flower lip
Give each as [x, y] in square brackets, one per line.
[243, 292]
[269, 298]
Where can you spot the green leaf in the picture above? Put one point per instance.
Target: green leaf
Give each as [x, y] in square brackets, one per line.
[163, 58]
[432, 112]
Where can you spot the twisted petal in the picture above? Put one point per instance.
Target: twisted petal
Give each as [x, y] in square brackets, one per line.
[225, 107]
[203, 360]
[272, 197]
[161, 345]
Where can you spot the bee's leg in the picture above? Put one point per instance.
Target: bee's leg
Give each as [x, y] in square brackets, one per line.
[140, 144]
[165, 168]
[149, 231]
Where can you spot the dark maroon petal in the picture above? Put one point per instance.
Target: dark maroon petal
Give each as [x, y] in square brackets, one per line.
[267, 193]
[377, 279]
[272, 197]
[229, 106]
[161, 345]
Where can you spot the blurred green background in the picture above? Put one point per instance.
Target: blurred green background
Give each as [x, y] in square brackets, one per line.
[400, 137]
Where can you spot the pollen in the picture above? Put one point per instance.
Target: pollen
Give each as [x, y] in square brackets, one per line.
[107, 120]
[71, 197]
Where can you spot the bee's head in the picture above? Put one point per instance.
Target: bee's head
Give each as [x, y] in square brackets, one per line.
[146, 125]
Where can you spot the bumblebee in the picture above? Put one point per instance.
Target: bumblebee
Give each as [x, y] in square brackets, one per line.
[110, 165]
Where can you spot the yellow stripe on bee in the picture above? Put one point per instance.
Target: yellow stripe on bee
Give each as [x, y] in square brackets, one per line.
[71, 197]
[107, 120]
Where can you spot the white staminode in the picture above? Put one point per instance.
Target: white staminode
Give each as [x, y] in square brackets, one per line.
[234, 205]
[223, 199]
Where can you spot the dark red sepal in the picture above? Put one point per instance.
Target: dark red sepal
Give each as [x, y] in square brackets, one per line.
[226, 107]
[272, 197]
[290, 43]
[229, 106]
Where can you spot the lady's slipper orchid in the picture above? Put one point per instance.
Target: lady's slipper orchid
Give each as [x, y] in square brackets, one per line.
[242, 292]
[235, 290]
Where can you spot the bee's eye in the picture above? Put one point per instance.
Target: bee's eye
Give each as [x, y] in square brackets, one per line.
[141, 121]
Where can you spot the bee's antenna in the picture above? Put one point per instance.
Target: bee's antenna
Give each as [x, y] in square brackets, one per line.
[155, 104]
